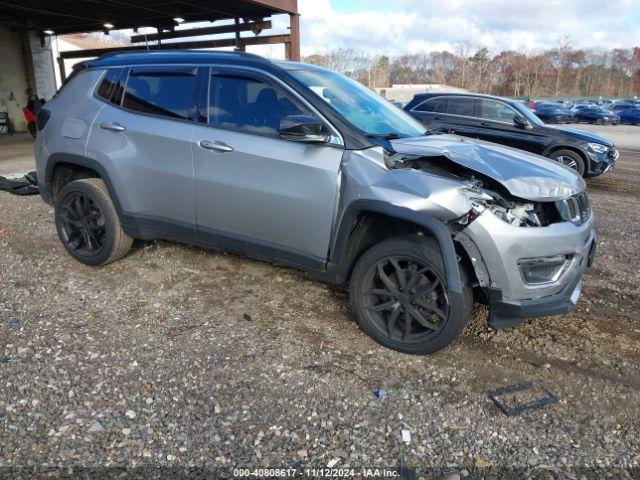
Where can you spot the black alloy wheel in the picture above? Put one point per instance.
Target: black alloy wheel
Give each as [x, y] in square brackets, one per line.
[405, 298]
[82, 224]
[401, 299]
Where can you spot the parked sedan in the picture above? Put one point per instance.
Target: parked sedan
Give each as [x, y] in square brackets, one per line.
[597, 115]
[630, 116]
[554, 113]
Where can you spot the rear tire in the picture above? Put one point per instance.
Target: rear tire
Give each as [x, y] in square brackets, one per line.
[400, 297]
[570, 159]
[88, 224]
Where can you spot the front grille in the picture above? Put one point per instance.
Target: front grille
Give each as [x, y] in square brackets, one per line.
[575, 209]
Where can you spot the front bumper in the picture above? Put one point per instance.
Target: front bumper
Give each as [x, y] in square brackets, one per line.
[500, 246]
[602, 162]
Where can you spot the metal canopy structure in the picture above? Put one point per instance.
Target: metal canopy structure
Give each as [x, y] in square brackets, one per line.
[59, 17]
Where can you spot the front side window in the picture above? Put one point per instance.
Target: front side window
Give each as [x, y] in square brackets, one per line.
[497, 111]
[248, 103]
[169, 92]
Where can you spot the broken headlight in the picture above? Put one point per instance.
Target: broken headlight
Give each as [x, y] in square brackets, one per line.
[514, 213]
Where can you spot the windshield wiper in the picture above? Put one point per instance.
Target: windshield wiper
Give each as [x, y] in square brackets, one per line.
[383, 136]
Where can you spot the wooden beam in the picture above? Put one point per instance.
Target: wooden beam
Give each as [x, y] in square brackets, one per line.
[294, 45]
[226, 42]
[284, 6]
[196, 32]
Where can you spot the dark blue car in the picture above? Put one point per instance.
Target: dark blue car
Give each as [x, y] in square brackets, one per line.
[554, 113]
[631, 116]
[597, 115]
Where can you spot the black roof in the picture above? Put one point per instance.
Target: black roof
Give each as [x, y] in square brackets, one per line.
[144, 57]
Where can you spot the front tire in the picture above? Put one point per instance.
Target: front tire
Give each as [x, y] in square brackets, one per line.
[570, 159]
[400, 297]
[88, 224]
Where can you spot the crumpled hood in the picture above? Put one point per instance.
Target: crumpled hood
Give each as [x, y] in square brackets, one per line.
[523, 174]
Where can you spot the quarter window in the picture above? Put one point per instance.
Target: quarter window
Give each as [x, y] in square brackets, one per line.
[498, 111]
[166, 92]
[108, 84]
[248, 103]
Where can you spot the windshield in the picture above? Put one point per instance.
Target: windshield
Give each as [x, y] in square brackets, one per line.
[366, 110]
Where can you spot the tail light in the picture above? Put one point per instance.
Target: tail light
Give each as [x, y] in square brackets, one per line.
[42, 118]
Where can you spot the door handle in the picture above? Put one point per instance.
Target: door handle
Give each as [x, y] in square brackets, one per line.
[216, 146]
[112, 126]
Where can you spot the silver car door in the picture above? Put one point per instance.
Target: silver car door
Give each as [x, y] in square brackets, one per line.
[145, 138]
[253, 186]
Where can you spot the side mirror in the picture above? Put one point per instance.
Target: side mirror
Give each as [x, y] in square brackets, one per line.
[521, 122]
[303, 128]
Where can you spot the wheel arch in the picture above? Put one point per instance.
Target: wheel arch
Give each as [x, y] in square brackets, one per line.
[85, 168]
[573, 148]
[366, 222]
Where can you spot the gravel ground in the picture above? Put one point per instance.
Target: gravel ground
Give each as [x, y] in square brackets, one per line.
[151, 363]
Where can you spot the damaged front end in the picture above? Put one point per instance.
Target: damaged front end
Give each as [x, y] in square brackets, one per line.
[529, 244]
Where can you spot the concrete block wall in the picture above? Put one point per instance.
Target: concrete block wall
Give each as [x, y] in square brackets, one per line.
[24, 65]
[13, 77]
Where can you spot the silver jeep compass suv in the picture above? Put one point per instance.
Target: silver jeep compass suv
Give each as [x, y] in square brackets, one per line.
[295, 164]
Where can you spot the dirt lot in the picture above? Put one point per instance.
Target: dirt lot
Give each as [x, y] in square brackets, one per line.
[149, 362]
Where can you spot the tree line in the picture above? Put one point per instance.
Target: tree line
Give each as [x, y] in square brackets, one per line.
[562, 71]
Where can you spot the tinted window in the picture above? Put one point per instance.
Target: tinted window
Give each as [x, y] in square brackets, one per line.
[109, 81]
[497, 111]
[460, 106]
[249, 104]
[167, 92]
[436, 105]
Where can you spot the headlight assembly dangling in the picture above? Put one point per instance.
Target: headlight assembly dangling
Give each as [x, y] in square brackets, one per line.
[513, 213]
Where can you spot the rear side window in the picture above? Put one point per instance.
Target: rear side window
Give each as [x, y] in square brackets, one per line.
[108, 84]
[461, 106]
[436, 105]
[497, 111]
[170, 92]
[248, 103]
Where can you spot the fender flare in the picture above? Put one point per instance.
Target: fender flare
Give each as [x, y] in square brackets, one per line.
[434, 226]
[81, 161]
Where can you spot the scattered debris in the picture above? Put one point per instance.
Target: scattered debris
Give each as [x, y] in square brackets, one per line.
[406, 436]
[380, 393]
[481, 463]
[247, 317]
[521, 397]
[130, 414]
[3, 234]
[19, 186]
[32, 178]
[14, 322]
[333, 462]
